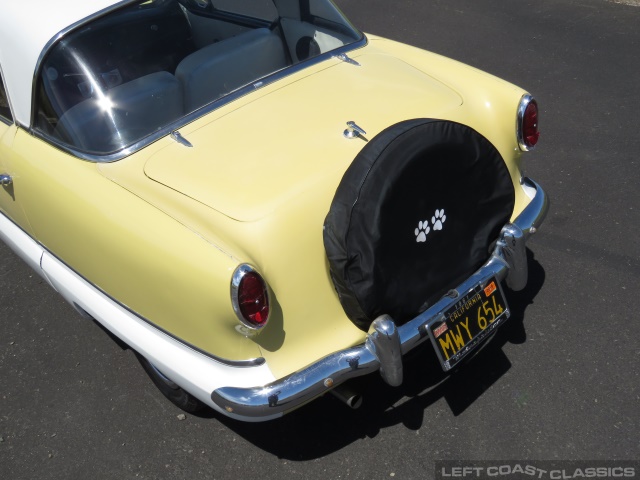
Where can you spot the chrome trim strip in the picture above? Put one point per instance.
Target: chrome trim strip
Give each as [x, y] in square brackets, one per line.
[181, 122]
[191, 370]
[29, 245]
[378, 353]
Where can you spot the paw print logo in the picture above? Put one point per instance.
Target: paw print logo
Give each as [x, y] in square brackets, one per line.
[422, 231]
[438, 219]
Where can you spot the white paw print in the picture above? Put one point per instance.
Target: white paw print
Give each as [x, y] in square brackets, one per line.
[422, 231]
[438, 219]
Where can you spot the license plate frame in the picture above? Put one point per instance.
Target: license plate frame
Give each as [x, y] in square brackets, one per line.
[470, 321]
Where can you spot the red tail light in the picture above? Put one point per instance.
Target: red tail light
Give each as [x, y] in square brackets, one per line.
[528, 133]
[250, 297]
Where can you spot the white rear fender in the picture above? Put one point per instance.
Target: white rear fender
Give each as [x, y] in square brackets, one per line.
[193, 370]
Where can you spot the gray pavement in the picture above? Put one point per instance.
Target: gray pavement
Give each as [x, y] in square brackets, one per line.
[560, 381]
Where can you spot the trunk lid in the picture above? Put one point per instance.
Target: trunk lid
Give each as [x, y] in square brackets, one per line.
[250, 161]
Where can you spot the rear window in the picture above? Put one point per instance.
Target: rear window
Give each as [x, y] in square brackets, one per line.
[131, 76]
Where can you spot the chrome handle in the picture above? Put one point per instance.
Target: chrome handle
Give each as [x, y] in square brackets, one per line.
[5, 180]
[353, 130]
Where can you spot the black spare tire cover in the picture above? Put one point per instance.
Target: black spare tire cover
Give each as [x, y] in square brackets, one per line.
[415, 213]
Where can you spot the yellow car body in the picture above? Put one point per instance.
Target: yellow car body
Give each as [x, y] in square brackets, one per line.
[159, 232]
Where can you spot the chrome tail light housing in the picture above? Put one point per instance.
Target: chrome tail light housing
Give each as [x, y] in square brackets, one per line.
[527, 123]
[250, 297]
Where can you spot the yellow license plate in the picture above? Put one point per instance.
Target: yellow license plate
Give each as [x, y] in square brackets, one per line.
[469, 322]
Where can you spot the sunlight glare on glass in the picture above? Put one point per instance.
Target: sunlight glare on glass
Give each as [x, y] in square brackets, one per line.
[105, 104]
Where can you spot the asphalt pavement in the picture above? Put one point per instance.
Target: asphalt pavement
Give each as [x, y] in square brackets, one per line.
[560, 382]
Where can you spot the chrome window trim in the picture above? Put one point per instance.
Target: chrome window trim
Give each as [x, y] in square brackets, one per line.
[522, 107]
[181, 122]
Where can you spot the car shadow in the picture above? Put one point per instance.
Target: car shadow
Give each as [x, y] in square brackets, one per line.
[326, 425]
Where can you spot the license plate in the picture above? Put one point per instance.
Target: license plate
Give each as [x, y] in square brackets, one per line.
[468, 322]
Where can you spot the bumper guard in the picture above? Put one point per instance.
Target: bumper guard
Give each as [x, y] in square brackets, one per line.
[386, 343]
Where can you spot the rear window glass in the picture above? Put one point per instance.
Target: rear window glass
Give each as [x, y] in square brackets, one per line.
[130, 76]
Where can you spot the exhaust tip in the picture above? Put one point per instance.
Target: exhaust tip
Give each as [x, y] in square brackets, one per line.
[355, 402]
[348, 396]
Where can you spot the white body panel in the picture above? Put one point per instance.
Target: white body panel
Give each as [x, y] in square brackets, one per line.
[195, 372]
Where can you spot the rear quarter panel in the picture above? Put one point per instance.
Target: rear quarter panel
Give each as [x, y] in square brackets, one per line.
[489, 103]
[127, 248]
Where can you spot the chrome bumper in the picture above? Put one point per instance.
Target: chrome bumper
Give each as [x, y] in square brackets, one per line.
[386, 343]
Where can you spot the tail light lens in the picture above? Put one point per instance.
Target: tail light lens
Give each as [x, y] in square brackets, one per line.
[250, 297]
[527, 124]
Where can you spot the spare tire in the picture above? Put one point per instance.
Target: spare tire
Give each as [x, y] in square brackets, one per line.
[415, 213]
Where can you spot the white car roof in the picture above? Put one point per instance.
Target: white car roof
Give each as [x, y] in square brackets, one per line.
[25, 29]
